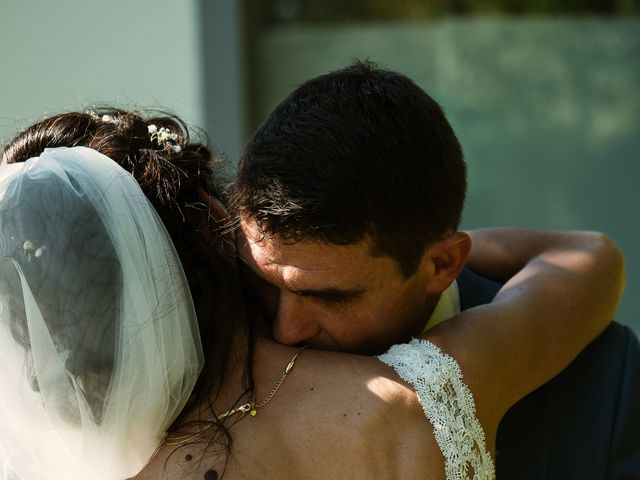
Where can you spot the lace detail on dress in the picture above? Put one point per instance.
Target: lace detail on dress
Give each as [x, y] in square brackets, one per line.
[448, 404]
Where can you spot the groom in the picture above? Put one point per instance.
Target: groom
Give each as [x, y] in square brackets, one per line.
[335, 177]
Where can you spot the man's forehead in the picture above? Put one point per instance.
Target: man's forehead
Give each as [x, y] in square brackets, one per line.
[304, 255]
[309, 253]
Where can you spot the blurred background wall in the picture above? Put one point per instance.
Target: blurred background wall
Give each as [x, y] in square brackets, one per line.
[68, 54]
[543, 94]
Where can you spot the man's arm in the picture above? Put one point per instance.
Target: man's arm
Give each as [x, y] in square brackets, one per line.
[561, 292]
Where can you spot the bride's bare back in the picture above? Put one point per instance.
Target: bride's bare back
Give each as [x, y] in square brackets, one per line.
[335, 416]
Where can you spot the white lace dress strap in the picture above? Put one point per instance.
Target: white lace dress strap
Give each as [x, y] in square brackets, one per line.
[448, 404]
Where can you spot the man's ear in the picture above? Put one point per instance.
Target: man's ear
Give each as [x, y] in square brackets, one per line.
[443, 261]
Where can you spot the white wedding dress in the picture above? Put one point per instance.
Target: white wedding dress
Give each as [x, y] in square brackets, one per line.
[448, 404]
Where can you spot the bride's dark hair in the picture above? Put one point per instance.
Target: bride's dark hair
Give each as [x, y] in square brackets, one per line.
[179, 176]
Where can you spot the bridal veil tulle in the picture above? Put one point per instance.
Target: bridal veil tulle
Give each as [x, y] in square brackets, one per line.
[99, 345]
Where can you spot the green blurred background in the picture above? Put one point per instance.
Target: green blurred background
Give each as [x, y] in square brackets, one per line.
[543, 94]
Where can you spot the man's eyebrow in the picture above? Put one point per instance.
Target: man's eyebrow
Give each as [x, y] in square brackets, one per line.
[332, 294]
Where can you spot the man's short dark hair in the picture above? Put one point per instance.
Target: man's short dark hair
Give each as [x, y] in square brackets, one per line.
[356, 152]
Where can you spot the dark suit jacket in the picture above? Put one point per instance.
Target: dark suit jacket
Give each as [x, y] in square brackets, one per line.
[584, 424]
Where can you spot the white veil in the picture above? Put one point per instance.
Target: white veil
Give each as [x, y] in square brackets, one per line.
[99, 345]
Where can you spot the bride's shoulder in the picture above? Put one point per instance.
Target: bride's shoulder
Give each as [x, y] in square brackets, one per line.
[366, 404]
[345, 380]
[358, 376]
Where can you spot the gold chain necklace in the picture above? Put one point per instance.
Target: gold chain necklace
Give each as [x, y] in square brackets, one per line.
[251, 407]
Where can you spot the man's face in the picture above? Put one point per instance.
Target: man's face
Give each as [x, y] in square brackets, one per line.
[334, 297]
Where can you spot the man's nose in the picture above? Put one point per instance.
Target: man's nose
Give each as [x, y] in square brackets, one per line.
[293, 323]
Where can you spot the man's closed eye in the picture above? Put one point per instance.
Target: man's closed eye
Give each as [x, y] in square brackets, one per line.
[333, 296]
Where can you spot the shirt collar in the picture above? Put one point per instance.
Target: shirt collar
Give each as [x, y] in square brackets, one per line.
[448, 305]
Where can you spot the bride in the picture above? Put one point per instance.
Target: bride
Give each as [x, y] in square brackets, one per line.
[128, 349]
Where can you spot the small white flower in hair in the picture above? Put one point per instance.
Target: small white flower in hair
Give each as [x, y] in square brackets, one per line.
[108, 119]
[165, 138]
[164, 135]
[30, 250]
